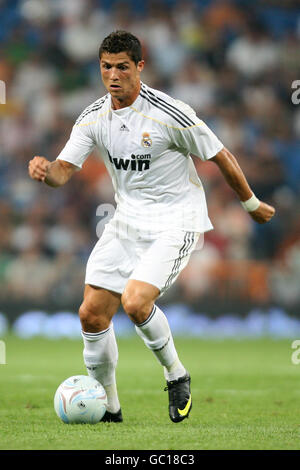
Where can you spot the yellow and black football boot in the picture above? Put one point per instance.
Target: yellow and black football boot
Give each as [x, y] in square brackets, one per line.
[180, 398]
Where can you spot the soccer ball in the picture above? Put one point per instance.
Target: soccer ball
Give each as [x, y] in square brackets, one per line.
[80, 399]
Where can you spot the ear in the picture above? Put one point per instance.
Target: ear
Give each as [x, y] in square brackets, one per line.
[140, 65]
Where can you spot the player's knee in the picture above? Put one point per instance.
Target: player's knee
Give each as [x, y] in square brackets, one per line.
[90, 318]
[136, 308]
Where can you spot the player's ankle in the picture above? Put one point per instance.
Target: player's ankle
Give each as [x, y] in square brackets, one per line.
[113, 404]
[174, 371]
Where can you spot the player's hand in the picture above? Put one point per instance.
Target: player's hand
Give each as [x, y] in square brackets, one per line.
[37, 168]
[263, 213]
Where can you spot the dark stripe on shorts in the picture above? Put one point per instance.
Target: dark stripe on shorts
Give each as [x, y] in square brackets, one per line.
[184, 250]
[177, 260]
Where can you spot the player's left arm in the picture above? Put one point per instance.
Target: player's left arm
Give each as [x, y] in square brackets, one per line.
[232, 172]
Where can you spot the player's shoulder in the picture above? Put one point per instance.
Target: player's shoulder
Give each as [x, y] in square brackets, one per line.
[173, 112]
[91, 111]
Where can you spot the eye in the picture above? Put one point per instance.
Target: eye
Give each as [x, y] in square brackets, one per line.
[122, 67]
[106, 66]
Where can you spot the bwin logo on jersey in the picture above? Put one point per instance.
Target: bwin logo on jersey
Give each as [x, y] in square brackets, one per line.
[135, 163]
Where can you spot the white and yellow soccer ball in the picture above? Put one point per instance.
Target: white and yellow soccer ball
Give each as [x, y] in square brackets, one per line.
[80, 399]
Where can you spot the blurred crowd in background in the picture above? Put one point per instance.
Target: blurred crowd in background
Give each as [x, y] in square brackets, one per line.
[234, 62]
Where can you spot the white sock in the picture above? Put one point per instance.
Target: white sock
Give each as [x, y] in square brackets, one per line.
[157, 336]
[100, 356]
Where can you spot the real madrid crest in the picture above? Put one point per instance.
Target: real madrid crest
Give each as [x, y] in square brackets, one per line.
[146, 140]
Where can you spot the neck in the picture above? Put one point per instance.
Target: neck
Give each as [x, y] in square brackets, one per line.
[125, 101]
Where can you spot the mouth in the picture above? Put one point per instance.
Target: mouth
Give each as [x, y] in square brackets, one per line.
[114, 86]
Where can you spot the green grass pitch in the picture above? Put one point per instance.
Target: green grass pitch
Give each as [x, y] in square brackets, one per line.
[245, 396]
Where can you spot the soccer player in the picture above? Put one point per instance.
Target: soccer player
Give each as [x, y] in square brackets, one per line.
[145, 138]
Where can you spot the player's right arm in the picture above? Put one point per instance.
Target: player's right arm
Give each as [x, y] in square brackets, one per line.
[79, 146]
[72, 156]
[54, 174]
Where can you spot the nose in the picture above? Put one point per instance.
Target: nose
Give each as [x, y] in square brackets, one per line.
[114, 74]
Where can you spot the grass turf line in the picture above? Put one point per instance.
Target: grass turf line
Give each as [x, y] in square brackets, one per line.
[245, 396]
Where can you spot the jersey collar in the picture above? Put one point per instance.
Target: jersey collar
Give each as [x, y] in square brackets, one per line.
[123, 111]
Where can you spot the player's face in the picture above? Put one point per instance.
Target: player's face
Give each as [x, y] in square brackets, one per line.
[121, 76]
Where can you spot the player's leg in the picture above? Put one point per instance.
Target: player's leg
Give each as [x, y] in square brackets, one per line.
[159, 267]
[100, 347]
[152, 326]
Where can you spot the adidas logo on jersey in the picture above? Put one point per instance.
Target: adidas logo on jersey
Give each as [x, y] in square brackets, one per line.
[124, 128]
[135, 163]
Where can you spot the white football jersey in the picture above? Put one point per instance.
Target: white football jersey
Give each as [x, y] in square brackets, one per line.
[146, 148]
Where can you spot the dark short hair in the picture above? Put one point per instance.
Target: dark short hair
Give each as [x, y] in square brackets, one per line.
[122, 41]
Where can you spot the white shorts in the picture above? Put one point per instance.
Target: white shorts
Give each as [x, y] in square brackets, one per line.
[124, 253]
